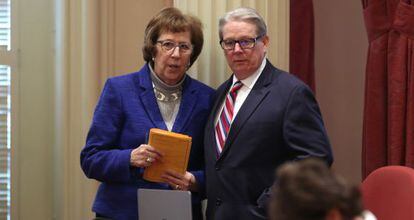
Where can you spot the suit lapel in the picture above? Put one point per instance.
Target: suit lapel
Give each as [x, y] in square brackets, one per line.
[252, 102]
[188, 101]
[148, 98]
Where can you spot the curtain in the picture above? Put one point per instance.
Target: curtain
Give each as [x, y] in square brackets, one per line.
[77, 82]
[388, 132]
[302, 41]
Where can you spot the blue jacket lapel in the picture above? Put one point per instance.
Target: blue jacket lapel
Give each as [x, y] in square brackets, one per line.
[188, 101]
[148, 98]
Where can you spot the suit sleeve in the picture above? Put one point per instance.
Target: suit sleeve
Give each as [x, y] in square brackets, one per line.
[101, 159]
[303, 128]
[303, 133]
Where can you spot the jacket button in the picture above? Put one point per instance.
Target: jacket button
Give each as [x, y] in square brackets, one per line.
[217, 168]
[218, 202]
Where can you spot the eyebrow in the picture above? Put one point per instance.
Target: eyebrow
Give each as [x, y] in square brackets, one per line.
[173, 41]
[239, 38]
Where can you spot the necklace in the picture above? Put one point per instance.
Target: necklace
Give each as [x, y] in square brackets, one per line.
[166, 96]
[164, 92]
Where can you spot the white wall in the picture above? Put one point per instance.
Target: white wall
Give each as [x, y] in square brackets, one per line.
[340, 55]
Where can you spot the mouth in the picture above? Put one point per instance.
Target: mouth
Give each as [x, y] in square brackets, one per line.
[174, 66]
[239, 61]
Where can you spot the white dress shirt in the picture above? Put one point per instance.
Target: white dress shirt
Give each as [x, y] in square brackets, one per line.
[243, 92]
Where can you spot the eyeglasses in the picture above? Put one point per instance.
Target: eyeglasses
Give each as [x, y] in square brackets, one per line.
[169, 46]
[247, 43]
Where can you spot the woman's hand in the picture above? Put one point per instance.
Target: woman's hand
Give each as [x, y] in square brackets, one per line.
[178, 181]
[144, 156]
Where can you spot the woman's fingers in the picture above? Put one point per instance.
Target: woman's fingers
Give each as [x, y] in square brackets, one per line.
[150, 153]
[174, 182]
[144, 156]
[180, 182]
[154, 152]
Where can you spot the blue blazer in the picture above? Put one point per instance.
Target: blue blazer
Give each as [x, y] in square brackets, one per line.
[279, 121]
[126, 111]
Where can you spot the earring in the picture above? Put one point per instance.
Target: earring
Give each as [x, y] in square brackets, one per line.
[153, 59]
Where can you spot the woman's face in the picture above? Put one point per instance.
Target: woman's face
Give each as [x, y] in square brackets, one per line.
[173, 52]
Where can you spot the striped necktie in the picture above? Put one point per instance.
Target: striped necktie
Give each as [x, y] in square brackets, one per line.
[226, 116]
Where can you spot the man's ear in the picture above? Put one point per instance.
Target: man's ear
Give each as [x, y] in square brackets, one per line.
[333, 214]
[265, 40]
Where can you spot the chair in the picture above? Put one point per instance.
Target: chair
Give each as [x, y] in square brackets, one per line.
[388, 192]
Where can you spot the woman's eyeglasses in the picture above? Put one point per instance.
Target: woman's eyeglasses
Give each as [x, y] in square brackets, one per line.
[169, 46]
[246, 43]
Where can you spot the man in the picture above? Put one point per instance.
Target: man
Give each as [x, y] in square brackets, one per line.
[268, 118]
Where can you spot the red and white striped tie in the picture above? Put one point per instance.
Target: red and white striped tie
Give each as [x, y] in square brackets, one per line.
[226, 117]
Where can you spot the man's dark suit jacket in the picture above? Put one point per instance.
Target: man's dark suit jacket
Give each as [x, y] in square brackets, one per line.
[279, 121]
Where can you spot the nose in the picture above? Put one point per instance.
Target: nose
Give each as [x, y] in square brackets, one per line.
[237, 47]
[175, 52]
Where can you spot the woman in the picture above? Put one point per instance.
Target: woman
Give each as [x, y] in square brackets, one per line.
[160, 95]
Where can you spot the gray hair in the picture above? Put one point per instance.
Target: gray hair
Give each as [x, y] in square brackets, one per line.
[248, 15]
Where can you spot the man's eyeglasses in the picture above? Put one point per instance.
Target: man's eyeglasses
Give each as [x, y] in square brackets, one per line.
[247, 43]
[168, 46]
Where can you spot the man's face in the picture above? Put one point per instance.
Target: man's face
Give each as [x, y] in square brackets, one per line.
[244, 62]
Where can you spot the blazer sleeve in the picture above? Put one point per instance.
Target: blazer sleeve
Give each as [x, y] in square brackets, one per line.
[101, 158]
[304, 133]
[303, 128]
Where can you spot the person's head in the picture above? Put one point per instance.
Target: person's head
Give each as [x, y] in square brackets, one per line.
[172, 43]
[308, 190]
[243, 37]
